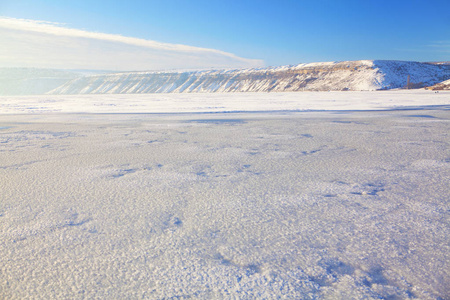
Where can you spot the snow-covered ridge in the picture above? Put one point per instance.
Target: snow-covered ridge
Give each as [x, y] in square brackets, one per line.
[349, 75]
[360, 75]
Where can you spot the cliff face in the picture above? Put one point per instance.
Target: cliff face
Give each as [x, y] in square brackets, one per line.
[352, 75]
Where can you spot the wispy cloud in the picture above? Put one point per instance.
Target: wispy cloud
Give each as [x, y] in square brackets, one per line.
[440, 46]
[31, 43]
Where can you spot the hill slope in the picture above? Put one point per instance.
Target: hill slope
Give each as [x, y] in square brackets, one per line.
[325, 76]
[350, 75]
[444, 85]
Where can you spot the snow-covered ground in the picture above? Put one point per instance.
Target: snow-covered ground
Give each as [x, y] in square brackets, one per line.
[98, 202]
[222, 102]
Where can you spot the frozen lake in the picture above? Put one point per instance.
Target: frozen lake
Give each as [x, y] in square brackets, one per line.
[176, 204]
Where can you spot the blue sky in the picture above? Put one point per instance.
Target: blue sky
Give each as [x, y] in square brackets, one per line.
[276, 32]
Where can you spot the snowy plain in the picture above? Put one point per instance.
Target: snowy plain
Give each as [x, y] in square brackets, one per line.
[314, 195]
[222, 102]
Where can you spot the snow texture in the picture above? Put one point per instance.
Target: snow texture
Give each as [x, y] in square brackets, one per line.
[250, 205]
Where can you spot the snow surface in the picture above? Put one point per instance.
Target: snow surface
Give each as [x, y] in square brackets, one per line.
[333, 204]
[222, 102]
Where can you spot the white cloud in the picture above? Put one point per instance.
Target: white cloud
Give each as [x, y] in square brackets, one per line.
[30, 43]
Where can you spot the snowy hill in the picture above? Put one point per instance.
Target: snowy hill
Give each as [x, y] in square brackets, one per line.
[349, 75]
[444, 85]
[324, 76]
